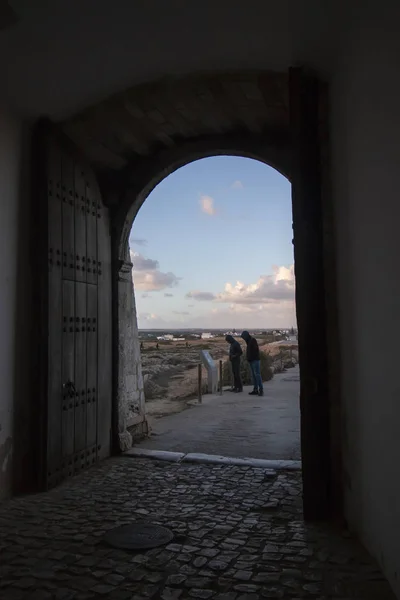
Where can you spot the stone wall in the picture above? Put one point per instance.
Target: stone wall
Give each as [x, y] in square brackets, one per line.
[131, 402]
[332, 315]
[365, 145]
[160, 114]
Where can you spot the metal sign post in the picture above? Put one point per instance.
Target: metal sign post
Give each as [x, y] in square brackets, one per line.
[199, 383]
[212, 373]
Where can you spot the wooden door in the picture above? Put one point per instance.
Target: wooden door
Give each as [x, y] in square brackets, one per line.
[310, 294]
[77, 293]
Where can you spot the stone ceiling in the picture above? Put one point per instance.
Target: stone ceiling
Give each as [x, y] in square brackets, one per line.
[159, 115]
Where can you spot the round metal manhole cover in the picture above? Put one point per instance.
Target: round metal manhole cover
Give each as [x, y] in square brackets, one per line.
[138, 536]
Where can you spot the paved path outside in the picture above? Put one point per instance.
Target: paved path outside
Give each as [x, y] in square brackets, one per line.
[237, 425]
[238, 535]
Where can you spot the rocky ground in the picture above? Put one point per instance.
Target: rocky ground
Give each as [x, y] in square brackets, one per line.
[171, 377]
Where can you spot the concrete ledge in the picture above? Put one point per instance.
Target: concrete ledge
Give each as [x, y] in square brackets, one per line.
[261, 463]
[154, 454]
[135, 420]
[213, 459]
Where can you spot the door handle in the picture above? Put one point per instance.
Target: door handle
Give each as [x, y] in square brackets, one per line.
[70, 388]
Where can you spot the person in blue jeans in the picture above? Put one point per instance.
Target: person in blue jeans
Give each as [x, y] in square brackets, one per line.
[253, 358]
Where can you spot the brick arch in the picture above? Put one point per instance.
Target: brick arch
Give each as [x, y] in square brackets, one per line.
[139, 122]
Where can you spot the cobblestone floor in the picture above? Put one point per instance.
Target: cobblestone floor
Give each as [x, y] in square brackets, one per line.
[239, 535]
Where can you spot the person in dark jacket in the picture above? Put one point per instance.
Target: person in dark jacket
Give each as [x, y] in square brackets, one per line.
[235, 352]
[253, 358]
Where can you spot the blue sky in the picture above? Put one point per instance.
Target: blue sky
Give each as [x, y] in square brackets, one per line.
[211, 247]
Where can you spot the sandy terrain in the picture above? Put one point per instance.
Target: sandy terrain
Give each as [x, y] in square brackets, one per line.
[171, 376]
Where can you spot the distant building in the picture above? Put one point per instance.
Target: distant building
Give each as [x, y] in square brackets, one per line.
[206, 336]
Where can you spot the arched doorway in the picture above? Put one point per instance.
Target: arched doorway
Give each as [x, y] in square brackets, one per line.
[277, 155]
[141, 183]
[206, 227]
[131, 148]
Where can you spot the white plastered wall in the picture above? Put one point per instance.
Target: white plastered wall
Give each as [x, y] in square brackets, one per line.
[365, 97]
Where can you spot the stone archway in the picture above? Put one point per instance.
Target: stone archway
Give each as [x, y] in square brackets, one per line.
[131, 419]
[139, 136]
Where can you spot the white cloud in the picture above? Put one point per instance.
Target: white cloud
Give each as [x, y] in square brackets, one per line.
[207, 205]
[237, 185]
[202, 296]
[147, 275]
[279, 286]
[140, 263]
[269, 302]
[154, 281]
[268, 289]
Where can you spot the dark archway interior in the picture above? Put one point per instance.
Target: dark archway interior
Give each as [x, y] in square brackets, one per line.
[128, 84]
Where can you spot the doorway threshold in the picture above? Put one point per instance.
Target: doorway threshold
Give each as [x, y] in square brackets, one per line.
[214, 459]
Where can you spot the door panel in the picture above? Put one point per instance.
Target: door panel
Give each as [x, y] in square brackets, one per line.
[91, 229]
[55, 339]
[80, 223]
[68, 370]
[77, 291]
[80, 369]
[104, 384]
[91, 361]
[68, 216]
